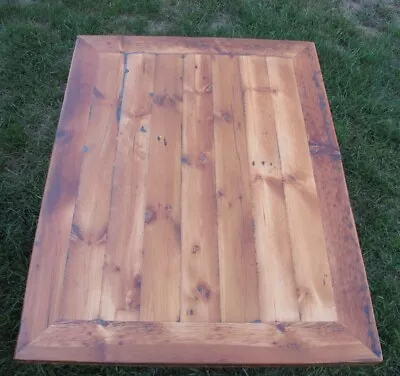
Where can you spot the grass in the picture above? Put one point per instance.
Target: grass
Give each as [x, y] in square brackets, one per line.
[359, 48]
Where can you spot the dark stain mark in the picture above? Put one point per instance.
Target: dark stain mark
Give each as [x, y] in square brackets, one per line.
[143, 129]
[63, 137]
[375, 348]
[288, 178]
[185, 160]
[60, 134]
[230, 205]
[117, 269]
[121, 92]
[120, 343]
[163, 100]
[137, 282]
[203, 290]
[178, 319]
[322, 106]
[226, 116]
[190, 312]
[165, 142]
[97, 93]
[324, 149]
[256, 322]
[203, 158]
[101, 322]
[220, 194]
[195, 248]
[293, 346]
[363, 288]
[151, 95]
[280, 327]
[177, 232]
[149, 326]
[149, 215]
[85, 149]
[168, 210]
[76, 232]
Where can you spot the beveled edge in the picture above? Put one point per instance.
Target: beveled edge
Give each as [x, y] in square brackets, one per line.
[52, 234]
[185, 45]
[204, 344]
[349, 280]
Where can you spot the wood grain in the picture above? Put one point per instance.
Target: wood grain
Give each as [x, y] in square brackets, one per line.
[276, 279]
[121, 285]
[180, 45]
[200, 280]
[311, 266]
[45, 279]
[237, 257]
[88, 235]
[199, 343]
[160, 287]
[350, 285]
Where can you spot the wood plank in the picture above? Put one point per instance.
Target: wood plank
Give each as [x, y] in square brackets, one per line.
[200, 282]
[84, 265]
[185, 45]
[160, 293]
[350, 285]
[276, 280]
[311, 264]
[199, 343]
[237, 256]
[49, 253]
[121, 284]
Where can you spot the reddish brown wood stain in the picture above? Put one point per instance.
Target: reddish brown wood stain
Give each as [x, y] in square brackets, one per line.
[196, 212]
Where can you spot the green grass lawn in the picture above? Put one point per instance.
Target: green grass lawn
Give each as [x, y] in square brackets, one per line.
[359, 48]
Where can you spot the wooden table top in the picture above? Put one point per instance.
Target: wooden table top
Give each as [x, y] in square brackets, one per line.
[196, 212]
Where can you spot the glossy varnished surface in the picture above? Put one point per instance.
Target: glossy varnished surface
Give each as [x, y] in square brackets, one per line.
[196, 212]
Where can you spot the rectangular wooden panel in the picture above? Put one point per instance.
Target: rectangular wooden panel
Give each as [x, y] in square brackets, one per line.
[196, 212]
[84, 265]
[160, 287]
[276, 277]
[237, 257]
[122, 272]
[200, 279]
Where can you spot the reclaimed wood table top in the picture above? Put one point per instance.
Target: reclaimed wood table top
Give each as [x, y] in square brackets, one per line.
[196, 212]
